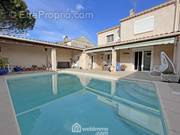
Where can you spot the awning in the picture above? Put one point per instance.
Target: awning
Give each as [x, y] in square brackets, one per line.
[164, 41]
[147, 43]
[99, 50]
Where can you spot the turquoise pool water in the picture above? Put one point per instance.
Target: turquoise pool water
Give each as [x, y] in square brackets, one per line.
[52, 104]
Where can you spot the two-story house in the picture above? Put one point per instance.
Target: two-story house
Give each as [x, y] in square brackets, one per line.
[139, 39]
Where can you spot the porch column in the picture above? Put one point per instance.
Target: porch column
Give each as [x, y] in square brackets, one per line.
[53, 59]
[177, 62]
[114, 60]
[177, 16]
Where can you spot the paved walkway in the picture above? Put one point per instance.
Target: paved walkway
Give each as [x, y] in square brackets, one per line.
[116, 75]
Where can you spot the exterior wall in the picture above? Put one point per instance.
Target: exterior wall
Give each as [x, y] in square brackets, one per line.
[81, 42]
[163, 23]
[102, 37]
[64, 55]
[24, 56]
[98, 62]
[168, 49]
[71, 56]
[126, 57]
[85, 61]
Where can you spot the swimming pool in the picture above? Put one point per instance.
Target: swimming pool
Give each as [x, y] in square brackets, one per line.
[65, 104]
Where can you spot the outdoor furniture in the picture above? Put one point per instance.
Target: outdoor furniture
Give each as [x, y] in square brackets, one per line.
[64, 64]
[167, 69]
[18, 69]
[76, 65]
[155, 71]
[107, 67]
[118, 67]
[3, 71]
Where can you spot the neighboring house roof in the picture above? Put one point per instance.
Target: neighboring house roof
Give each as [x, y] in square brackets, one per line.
[149, 10]
[81, 42]
[4, 38]
[109, 29]
[143, 39]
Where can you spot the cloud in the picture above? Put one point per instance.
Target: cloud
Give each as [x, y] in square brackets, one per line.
[79, 7]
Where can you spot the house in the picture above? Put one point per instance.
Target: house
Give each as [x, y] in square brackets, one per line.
[136, 42]
[27, 52]
[81, 42]
[139, 39]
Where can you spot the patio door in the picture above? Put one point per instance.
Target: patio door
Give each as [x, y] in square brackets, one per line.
[142, 60]
[138, 61]
[147, 61]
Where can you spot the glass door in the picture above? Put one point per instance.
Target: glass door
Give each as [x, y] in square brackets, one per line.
[147, 61]
[138, 61]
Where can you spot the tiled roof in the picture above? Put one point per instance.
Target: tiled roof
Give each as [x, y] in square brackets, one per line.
[137, 40]
[150, 10]
[108, 29]
[39, 42]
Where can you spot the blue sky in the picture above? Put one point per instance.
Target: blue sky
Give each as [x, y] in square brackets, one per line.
[106, 13]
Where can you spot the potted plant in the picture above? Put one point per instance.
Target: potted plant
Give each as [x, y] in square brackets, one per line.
[3, 64]
[123, 67]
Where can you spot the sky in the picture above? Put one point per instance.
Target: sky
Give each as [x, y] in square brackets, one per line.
[102, 14]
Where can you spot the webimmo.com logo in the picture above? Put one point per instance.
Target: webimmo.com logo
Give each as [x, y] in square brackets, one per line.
[76, 128]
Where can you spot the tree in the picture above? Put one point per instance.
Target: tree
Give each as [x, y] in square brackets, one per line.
[15, 18]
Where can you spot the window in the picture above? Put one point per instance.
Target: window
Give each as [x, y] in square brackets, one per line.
[144, 25]
[110, 38]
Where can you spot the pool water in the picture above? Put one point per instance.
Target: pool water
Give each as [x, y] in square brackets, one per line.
[52, 104]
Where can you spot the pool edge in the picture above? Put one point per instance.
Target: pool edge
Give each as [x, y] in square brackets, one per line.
[9, 124]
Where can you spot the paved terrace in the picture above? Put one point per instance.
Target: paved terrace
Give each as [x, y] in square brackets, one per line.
[114, 75]
[169, 95]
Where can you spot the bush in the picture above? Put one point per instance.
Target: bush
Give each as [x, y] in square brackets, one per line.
[3, 62]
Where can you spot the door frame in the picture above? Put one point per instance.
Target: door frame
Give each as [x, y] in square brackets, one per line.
[92, 61]
[143, 50]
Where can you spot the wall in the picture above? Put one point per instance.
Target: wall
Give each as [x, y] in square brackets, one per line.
[24, 55]
[98, 62]
[65, 55]
[68, 55]
[85, 61]
[126, 56]
[163, 23]
[126, 59]
[102, 37]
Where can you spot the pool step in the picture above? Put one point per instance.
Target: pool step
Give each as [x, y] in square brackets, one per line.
[117, 99]
[140, 118]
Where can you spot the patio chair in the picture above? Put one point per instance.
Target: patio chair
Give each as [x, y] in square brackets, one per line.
[167, 69]
[76, 65]
[107, 67]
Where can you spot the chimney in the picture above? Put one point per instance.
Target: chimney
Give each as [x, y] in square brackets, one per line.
[132, 12]
[66, 39]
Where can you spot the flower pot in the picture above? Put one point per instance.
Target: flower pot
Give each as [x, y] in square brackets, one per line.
[3, 71]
